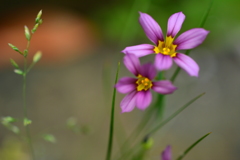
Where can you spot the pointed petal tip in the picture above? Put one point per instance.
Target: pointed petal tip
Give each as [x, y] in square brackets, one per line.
[175, 22]
[187, 64]
[151, 28]
[191, 38]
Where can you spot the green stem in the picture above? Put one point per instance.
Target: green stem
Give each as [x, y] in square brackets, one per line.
[29, 139]
[111, 128]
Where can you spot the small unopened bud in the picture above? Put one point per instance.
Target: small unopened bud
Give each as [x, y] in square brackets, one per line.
[38, 16]
[35, 28]
[27, 33]
[25, 53]
[147, 143]
[14, 48]
[18, 71]
[37, 56]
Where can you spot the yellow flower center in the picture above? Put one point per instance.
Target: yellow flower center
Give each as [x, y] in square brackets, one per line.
[143, 83]
[166, 47]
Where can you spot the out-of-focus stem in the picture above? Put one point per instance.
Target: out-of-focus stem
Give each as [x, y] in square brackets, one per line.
[29, 139]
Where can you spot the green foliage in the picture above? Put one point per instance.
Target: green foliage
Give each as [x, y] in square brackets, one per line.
[26, 121]
[8, 123]
[49, 138]
[14, 64]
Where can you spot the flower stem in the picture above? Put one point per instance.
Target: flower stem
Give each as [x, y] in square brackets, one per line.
[29, 139]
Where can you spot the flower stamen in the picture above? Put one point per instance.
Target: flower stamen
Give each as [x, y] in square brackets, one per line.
[166, 47]
[143, 83]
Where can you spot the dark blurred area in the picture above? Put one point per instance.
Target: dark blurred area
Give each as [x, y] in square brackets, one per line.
[81, 41]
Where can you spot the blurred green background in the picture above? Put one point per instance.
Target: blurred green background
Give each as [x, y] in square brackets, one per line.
[81, 42]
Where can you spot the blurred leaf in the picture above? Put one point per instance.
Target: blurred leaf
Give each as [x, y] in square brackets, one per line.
[8, 119]
[174, 114]
[26, 121]
[14, 129]
[18, 71]
[49, 138]
[7, 122]
[14, 64]
[37, 56]
[71, 122]
[191, 147]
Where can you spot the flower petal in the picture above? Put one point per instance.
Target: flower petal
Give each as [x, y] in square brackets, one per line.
[126, 85]
[166, 154]
[175, 24]
[132, 63]
[164, 87]
[163, 62]
[143, 100]
[129, 102]
[151, 28]
[191, 38]
[139, 50]
[187, 64]
[148, 70]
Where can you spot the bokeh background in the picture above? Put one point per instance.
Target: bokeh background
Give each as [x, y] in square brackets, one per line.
[81, 41]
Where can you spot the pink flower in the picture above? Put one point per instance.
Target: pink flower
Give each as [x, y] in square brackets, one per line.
[166, 154]
[138, 89]
[166, 49]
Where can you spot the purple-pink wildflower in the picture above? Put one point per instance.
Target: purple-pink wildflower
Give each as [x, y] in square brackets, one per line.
[138, 89]
[166, 49]
[166, 154]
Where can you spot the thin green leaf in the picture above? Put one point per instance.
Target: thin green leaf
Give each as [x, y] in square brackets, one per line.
[111, 128]
[193, 145]
[206, 14]
[174, 115]
[14, 64]
[18, 71]
[26, 121]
